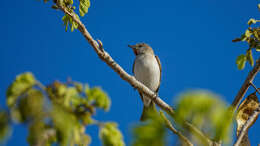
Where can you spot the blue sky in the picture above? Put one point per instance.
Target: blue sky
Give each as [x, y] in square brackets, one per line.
[192, 39]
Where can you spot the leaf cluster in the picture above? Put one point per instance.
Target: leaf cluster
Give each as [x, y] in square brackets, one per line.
[110, 135]
[252, 38]
[57, 113]
[70, 6]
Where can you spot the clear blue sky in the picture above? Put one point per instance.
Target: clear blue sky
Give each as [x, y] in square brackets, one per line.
[192, 39]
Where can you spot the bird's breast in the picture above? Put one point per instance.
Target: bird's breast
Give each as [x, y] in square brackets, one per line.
[147, 71]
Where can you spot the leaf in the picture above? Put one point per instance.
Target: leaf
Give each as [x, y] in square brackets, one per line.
[152, 132]
[31, 106]
[251, 21]
[255, 32]
[248, 33]
[86, 118]
[98, 97]
[69, 95]
[36, 132]
[68, 2]
[65, 20]
[78, 86]
[207, 112]
[22, 83]
[64, 122]
[68, 21]
[249, 57]
[4, 125]
[110, 135]
[83, 7]
[241, 61]
[57, 92]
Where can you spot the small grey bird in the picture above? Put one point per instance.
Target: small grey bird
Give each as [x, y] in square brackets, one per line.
[146, 69]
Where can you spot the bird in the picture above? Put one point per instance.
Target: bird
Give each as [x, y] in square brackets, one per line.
[147, 70]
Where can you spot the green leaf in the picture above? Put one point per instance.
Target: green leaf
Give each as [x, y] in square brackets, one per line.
[251, 21]
[68, 2]
[249, 57]
[151, 132]
[64, 122]
[36, 132]
[22, 83]
[65, 20]
[4, 125]
[248, 33]
[241, 61]
[70, 94]
[86, 118]
[98, 97]
[110, 135]
[207, 112]
[78, 86]
[83, 7]
[31, 106]
[68, 21]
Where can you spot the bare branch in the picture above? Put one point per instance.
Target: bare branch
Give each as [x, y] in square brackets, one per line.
[246, 84]
[103, 55]
[247, 125]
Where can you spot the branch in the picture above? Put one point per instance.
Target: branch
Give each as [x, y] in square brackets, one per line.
[103, 55]
[246, 84]
[170, 126]
[247, 125]
[256, 89]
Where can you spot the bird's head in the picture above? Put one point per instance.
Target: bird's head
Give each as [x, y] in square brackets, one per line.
[141, 48]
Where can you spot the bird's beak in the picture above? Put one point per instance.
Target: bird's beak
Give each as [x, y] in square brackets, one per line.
[134, 48]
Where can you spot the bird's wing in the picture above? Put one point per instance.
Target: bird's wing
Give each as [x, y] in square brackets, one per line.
[159, 63]
[133, 68]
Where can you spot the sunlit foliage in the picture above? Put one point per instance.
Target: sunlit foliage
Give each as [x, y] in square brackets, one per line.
[57, 113]
[252, 38]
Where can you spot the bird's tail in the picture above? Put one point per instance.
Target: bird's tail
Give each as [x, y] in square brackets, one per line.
[148, 111]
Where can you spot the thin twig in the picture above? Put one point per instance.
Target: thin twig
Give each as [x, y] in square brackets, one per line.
[246, 84]
[40, 85]
[247, 125]
[103, 55]
[256, 89]
[170, 126]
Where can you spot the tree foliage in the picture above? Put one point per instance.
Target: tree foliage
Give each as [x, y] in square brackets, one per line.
[57, 113]
[252, 38]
